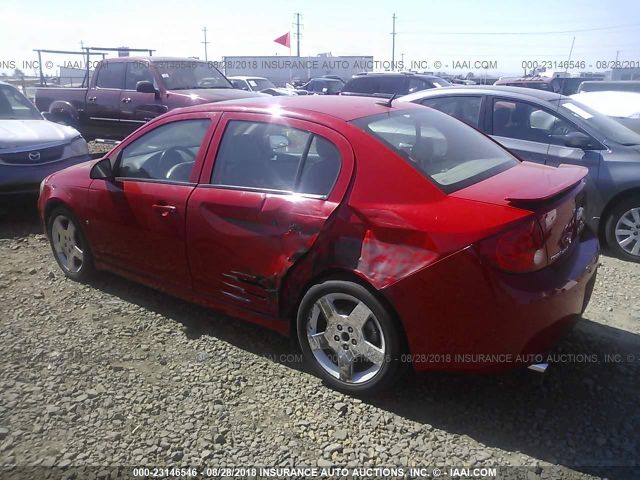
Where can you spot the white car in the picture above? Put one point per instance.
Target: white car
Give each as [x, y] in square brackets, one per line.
[31, 147]
[260, 84]
[622, 106]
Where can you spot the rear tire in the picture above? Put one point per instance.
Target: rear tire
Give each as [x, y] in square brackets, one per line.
[349, 337]
[622, 230]
[69, 245]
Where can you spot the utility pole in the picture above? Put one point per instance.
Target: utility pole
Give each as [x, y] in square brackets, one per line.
[393, 43]
[297, 25]
[205, 43]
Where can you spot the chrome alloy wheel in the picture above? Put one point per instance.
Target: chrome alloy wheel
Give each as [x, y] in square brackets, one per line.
[346, 338]
[66, 244]
[628, 231]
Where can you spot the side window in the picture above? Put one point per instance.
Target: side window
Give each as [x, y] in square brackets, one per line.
[321, 168]
[391, 84]
[111, 75]
[270, 156]
[361, 85]
[465, 108]
[417, 84]
[524, 121]
[137, 72]
[167, 152]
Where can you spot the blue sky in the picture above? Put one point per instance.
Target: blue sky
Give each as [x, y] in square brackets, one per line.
[427, 30]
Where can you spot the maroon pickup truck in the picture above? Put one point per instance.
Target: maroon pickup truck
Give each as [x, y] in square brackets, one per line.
[125, 93]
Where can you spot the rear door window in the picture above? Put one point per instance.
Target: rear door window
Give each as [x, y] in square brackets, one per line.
[273, 157]
[465, 108]
[111, 75]
[392, 84]
[361, 85]
[449, 153]
[524, 121]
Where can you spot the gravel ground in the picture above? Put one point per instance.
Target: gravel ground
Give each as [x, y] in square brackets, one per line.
[96, 147]
[113, 373]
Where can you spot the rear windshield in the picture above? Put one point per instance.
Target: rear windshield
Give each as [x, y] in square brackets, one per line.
[447, 151]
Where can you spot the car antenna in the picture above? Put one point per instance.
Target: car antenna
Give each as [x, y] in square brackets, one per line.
[387, 103]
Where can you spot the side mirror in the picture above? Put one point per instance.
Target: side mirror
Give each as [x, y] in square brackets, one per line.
[145, 86]
[102, 170]
[578, 140]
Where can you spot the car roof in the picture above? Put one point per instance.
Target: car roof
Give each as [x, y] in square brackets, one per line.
[245, 77]
[309, 107]
[518, 92]
[396, 74]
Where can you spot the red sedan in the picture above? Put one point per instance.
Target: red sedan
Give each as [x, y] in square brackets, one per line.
[378, 235]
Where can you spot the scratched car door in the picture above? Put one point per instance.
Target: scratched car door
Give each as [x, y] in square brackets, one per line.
[261, 204]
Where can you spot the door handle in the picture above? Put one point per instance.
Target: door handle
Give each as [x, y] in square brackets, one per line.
[126, 100]
[92, 99]
[164, 210]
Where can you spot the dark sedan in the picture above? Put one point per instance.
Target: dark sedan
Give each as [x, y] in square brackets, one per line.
[552, 129]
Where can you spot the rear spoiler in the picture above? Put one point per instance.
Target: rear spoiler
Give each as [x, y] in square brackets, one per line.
[557, 181]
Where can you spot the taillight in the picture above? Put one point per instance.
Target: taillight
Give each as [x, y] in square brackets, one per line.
[519, 249]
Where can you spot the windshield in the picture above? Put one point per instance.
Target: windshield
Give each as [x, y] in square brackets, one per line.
[444, 149]
[15, 106]
[440, 82]
[258, 84]
[602, 124]
[186, 75]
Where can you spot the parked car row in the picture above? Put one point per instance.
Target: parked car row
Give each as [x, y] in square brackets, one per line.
[536, 125]
[379, 234]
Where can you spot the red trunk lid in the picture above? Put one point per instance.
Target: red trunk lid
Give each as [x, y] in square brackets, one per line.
[554, 195]
[529, 182]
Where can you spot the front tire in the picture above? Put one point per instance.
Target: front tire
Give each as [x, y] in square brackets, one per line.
[69, 245]
[349, 337]
[623, 230]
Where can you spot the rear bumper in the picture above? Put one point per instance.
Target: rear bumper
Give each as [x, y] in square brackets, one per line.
[25, 179]
[462, 314]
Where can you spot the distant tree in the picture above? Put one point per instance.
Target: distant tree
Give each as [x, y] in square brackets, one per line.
[470, 75]
[18, 73]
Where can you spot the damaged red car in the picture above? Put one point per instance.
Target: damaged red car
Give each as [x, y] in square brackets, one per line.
[377, 234]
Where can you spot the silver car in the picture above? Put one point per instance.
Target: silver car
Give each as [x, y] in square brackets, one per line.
[30, 146]
[545, 127]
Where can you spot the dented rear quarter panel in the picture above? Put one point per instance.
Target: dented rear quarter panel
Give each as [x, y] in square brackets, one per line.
[393, 223]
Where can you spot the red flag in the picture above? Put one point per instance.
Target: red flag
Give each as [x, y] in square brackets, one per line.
[284, 40]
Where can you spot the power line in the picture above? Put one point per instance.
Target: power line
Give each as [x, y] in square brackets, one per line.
[431, 32]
